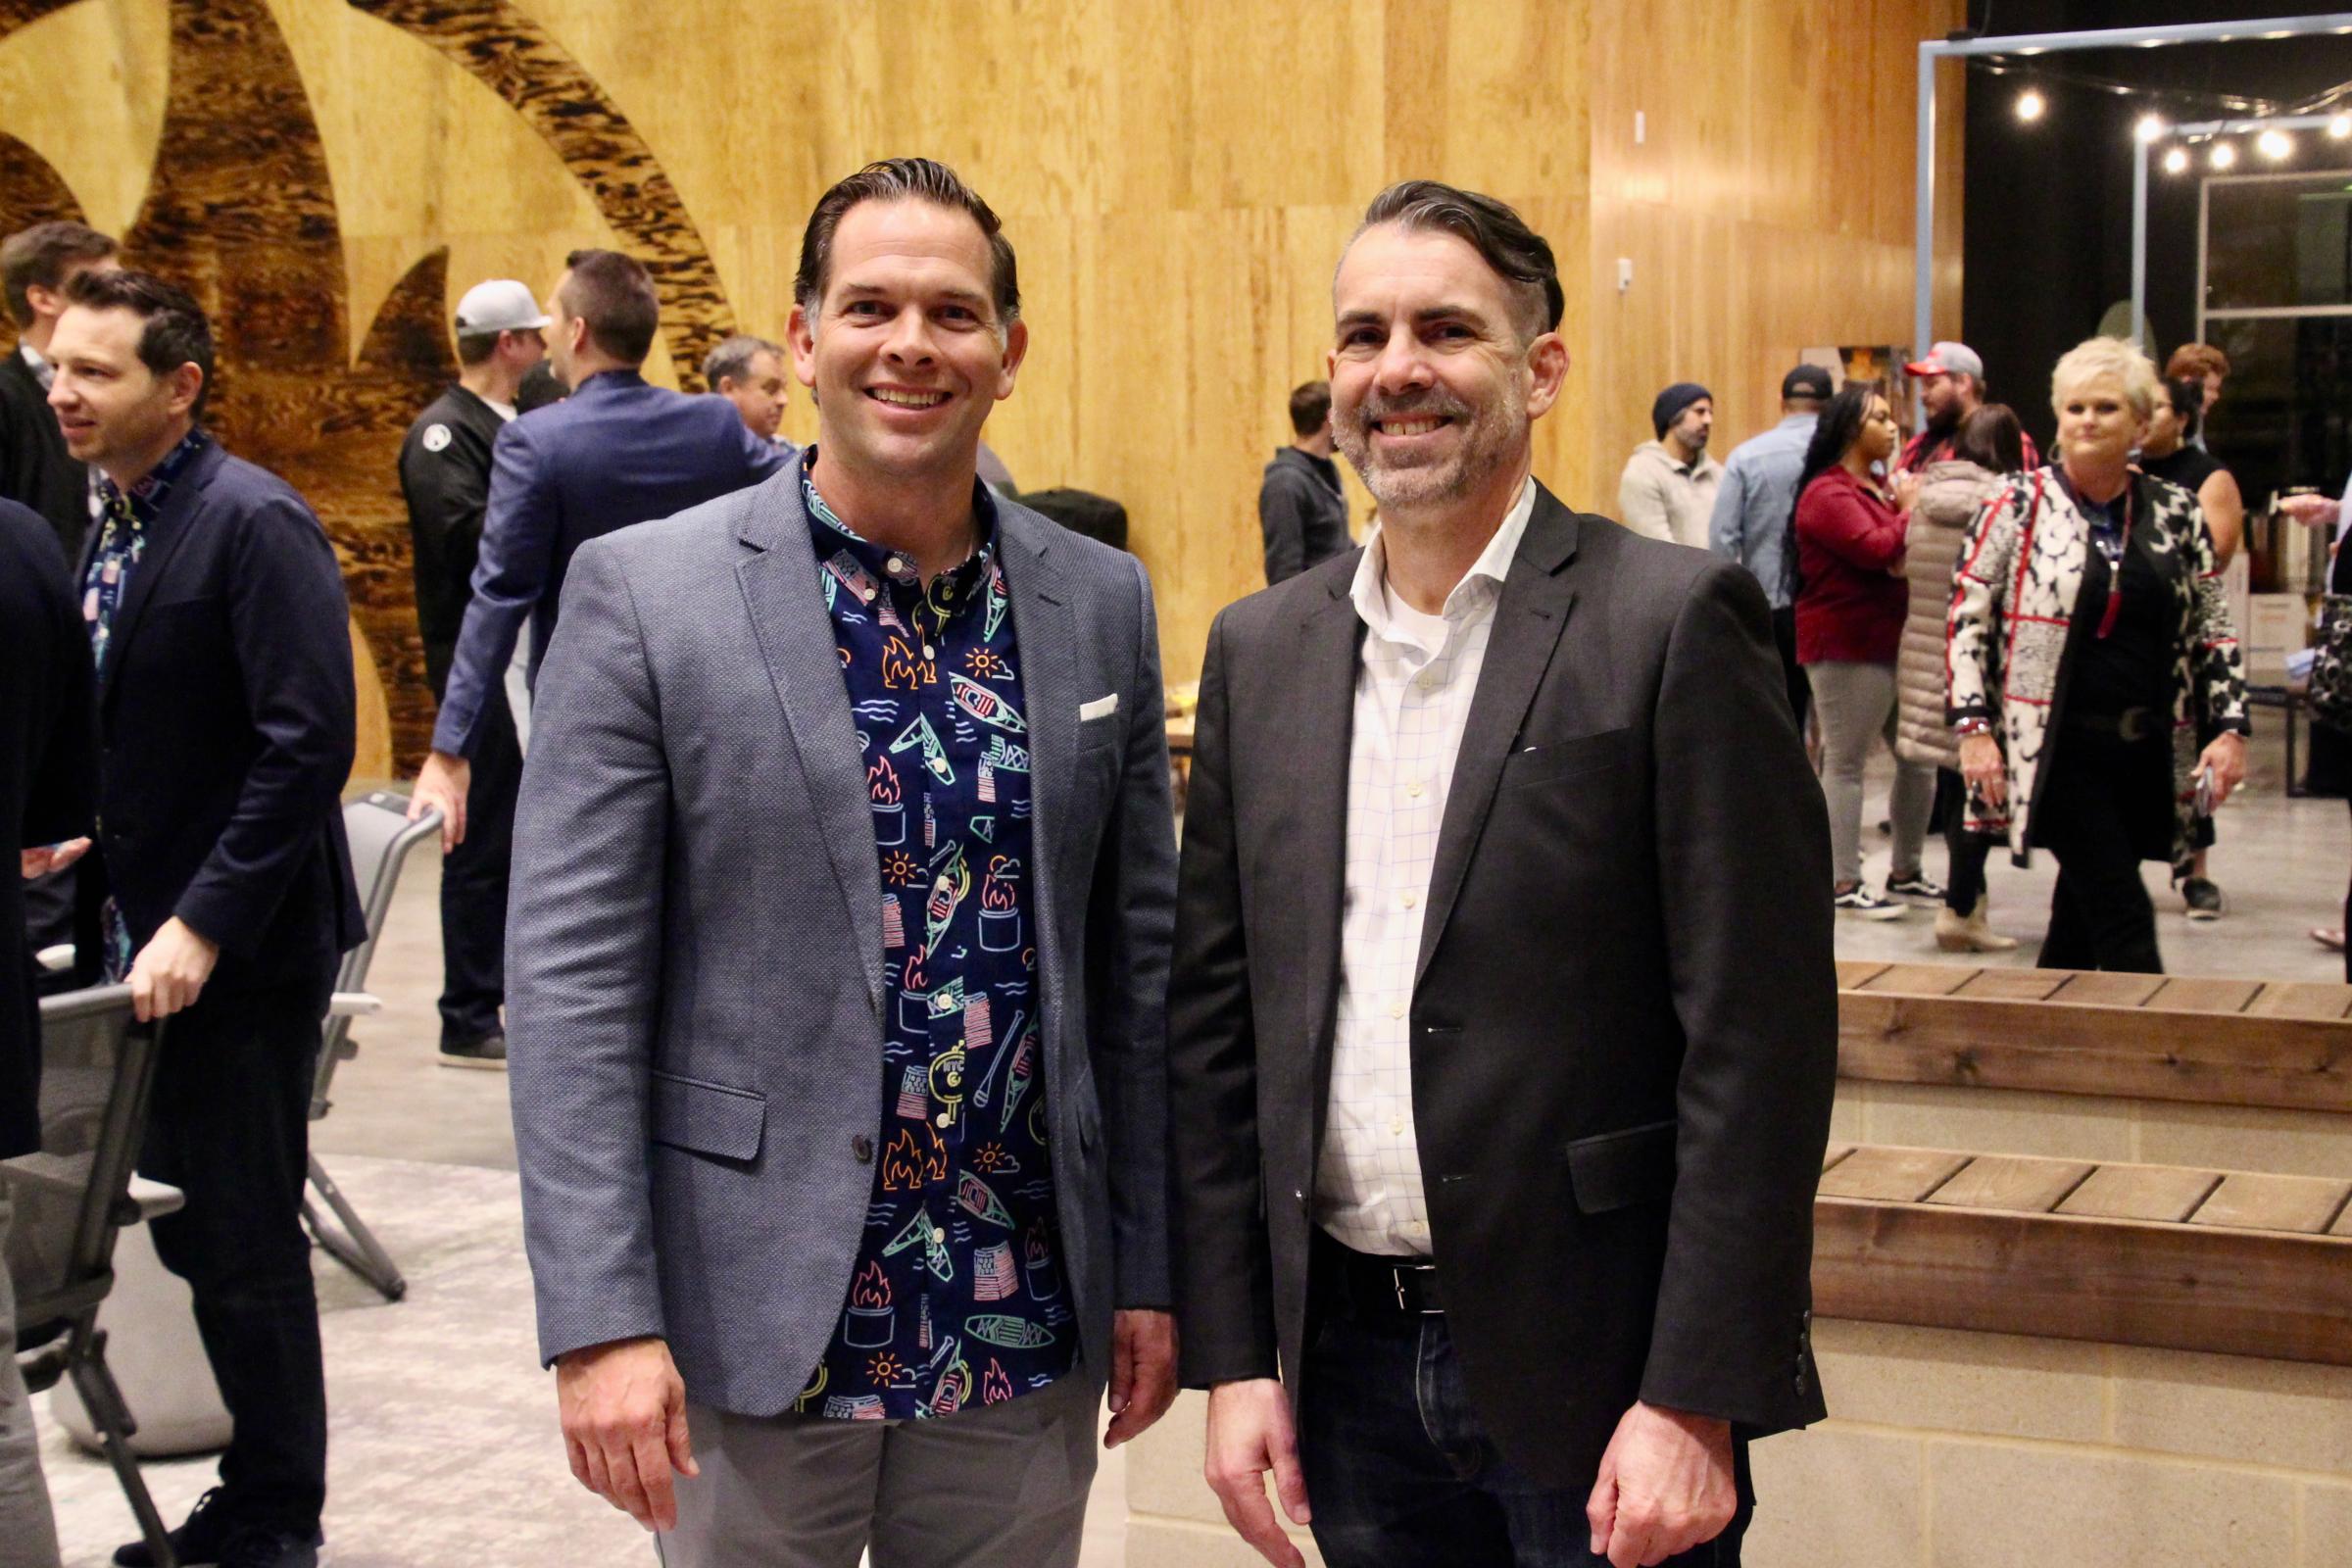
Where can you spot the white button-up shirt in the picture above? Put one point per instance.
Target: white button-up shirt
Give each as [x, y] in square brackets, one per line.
[1413, 686]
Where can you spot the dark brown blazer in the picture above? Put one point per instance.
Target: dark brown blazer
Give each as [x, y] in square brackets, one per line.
[1624, 1027]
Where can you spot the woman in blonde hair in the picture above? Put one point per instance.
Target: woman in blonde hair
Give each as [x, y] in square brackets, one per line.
[2087, 643]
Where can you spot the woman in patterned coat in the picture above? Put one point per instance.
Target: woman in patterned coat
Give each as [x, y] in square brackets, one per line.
[2088, 641]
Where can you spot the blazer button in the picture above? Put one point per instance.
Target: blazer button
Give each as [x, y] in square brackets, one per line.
[864, 1148]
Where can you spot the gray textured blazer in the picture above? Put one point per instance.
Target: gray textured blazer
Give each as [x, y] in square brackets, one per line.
[694, 947]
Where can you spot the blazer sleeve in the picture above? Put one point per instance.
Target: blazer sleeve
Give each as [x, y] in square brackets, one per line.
[2216, 661]
[518, 556]
[1225, 1273]
[1744, 873]
[290, 625]
[583, 975]
[448, 496]
[1131, 916]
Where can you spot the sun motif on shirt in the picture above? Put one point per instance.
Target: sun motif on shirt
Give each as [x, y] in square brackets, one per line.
[900, 868]
[884, 1368]
[990, 1158]
[985, 662]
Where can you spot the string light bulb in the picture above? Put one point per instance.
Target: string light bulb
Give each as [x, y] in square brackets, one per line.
[2031, 105]
[2340, 127]
[2151, 127]
[2274, 145]
[2223, 155]
[2175, 162]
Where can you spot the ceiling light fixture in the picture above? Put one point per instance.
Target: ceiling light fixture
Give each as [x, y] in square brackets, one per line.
[2031, 105]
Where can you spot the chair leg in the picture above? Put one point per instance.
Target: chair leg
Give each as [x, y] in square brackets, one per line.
[100, 1395]
[355, 1247]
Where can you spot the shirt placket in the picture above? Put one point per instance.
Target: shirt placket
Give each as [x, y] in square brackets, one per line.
[1418, 723]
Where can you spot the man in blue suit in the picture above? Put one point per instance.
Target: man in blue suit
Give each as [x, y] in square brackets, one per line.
[618, 451]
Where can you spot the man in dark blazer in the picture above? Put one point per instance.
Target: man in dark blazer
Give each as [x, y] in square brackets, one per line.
[1498, 1098]
[843, 877]
[45, 795]
[221, 888]
[618, 451]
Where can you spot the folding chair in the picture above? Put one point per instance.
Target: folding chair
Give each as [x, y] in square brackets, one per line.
[71, 1197]
[381, 837]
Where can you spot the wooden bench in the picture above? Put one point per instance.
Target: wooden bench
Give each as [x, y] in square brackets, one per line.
[2242, 1042]
[2225, 1261]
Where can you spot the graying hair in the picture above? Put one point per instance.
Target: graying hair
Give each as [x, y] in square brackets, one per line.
[2095, 358]
[734, 357]
[1519, 255]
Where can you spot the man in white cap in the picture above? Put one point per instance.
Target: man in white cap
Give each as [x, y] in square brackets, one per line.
[444, 476]
[1952, 387]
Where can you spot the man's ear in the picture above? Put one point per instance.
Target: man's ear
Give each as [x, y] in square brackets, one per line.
[800, 340]
[1547, 373]
[1017, 348]
[186, 382]
[44, 300]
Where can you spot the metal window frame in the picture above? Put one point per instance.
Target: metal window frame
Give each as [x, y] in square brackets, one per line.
[1923, 296]
[2239, 312]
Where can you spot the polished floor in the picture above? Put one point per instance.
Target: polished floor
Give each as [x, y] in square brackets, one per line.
[444, 1449]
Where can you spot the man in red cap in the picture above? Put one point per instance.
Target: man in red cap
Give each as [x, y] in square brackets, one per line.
[1952, 387]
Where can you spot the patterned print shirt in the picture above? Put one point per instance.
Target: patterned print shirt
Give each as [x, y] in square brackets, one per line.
[124, 515]
[957, 1297]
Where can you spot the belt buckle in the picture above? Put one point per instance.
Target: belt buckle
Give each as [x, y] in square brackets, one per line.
[2132, 724]
[1397, 1274]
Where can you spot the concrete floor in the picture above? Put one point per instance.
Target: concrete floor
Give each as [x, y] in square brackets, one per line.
[444, 1440]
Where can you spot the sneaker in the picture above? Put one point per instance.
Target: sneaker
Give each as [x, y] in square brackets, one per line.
[1916, 886]
[2203, 898]
[487, 1054]
[197, 1543]
[256, 1546]
[1860, 902]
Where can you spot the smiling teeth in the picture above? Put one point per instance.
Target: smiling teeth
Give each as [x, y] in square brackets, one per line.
[911, 400]
[1410, 426]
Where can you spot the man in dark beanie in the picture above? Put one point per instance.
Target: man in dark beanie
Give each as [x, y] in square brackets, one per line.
[1668, 488]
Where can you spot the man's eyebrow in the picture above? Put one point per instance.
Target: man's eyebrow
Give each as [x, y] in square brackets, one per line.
[1447, 312]
[954, 294]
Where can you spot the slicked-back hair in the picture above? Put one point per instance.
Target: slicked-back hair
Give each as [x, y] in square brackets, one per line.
[614, 295]
[1519, 255]
[175, 332]
[1311, 407]
[894, 179]
[733, 359]
[42, 255]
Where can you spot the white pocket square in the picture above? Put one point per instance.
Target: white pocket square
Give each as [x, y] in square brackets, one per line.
[1100, 707]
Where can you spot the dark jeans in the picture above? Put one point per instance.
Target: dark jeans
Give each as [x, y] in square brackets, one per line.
[231, 1128]
[1800, 690]
[473, 883]
[1398, 1470]
[2084, 815]
[1965, 853]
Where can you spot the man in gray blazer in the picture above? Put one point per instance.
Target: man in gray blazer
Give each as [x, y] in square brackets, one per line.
[843, 887]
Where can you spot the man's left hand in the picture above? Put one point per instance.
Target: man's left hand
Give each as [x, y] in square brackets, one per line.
[171, 970]
[1142, 1373]
[50, 858]
[1665, 1487]
[2226, 758]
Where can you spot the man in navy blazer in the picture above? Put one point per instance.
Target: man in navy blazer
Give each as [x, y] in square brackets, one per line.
[220, 887]
[618, 451]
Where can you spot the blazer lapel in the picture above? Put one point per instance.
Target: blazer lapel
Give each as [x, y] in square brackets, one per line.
[795, 634]
[166, 533]
[1046, 643]
[1319, 715]
[1536, 596]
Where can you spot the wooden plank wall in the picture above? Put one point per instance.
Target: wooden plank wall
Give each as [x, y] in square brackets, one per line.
[1177, 175]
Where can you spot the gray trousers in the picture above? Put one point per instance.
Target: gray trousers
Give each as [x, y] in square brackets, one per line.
[1858, 705]
[28, 1532]
[991, 1485]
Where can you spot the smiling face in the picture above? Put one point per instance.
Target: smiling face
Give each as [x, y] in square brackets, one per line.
[906, 353]
[117, 415]
[2097, 426]
[1432, 391]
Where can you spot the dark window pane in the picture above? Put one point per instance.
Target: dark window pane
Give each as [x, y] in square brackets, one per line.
[2272, 243]
[2284, 418]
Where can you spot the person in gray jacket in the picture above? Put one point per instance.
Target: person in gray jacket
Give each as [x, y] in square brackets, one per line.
[1301, 508]
[1987, 447]
[844, 890]
[1753, 503]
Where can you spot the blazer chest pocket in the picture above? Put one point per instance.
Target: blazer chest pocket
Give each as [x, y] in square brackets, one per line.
[1547, 763]
[1618, 1169]
[707, 1118]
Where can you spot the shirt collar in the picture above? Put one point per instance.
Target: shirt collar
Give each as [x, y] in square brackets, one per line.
[1480, 585]
[146, 497]
[41, 371]
[832, 534]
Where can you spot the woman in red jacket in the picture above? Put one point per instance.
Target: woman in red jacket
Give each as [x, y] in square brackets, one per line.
[1851, 602]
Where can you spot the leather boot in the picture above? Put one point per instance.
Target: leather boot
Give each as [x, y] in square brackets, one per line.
[1970, 934]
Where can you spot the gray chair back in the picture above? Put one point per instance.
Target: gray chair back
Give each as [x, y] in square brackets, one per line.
[382, 836]
[73, 1194]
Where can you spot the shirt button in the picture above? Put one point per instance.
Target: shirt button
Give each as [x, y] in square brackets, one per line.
[1397, 1126]
[1396, 1009]
[943, 1118]
[938, 1238]
[1410, 898]
[867, 595]
[1414, 788]
[894, 565]
[862, 1148]
[930, 652]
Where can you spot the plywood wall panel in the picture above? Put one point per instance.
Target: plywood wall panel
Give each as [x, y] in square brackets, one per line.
[1179, 176]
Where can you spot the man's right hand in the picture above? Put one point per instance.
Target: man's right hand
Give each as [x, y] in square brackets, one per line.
[1249, 1433]
[623, 1408]
[441, 785]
